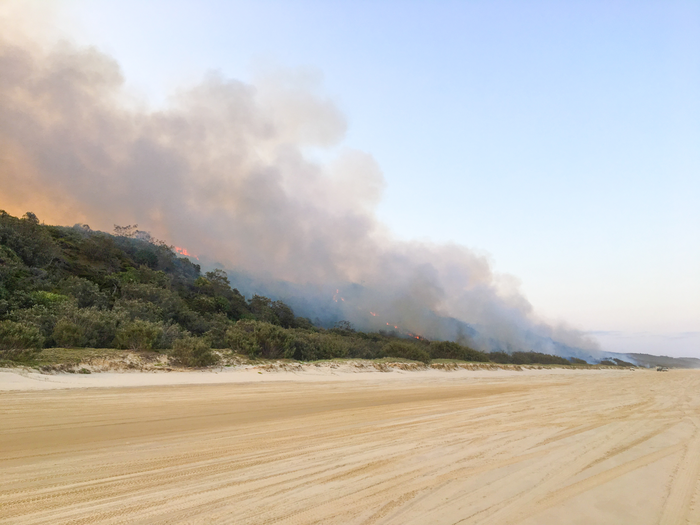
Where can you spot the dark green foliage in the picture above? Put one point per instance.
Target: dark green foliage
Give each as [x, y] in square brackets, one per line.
[499, 357]
[18, 336]
[68, 334]
[40, 317]
[527, 358]
[577, 361]
[139, 309]
[87, 293]
[450, 350]
[308, 345]
[406, 350]
[75, 287]
[138, 335]
[27, 239]
[262, 308]
[194, 351]
[607, 362]
[170, 333]
[258, 339]
[219, 325]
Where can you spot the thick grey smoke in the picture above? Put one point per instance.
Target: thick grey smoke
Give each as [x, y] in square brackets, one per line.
[222, 171]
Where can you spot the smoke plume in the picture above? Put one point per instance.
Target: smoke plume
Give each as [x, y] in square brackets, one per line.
[222, 171]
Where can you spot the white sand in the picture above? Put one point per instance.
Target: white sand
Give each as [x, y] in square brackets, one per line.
[333, 446]
[23, 379]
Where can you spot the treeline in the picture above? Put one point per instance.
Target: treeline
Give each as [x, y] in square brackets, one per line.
[75, 287]
[532, 358]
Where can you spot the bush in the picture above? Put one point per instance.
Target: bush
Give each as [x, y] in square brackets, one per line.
[84, 291]
[258, 339]
[139, 309]
[527, 358]
[138, 335]
[450, 350]
[15, 336]
[169, 334]
[18, 341]
[68, 334]
[305, 345]
[577, 361]
[99, 327]
[42, 318]
[47, 299]
[194, 351]
[169, 303]
[219, 325]
[405, 351]
[500, 357]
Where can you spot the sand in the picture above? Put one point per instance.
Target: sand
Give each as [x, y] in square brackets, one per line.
[332, 446]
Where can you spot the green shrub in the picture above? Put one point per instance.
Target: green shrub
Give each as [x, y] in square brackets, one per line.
[84, 291]
[138, 335]
[169, 335]
[47, 299]
[500, 357]
[258, 339]
[450, 350]
[526, 358]
[15, 336]
[42, 318]
[99, 327]
[305, 345]
[68, 334]
[194, 351]
[240, 338]
[170, 304]
[139, 309]
[19, 342]
[219, 325]
[405, 351]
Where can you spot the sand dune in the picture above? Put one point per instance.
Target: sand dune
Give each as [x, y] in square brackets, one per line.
[580, 447]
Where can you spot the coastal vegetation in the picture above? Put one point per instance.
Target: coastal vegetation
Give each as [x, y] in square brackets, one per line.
[72, 287]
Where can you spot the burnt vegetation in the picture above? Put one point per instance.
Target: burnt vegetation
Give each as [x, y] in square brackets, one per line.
[72, 287]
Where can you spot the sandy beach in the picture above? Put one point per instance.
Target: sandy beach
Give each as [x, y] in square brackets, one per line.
[337, 446]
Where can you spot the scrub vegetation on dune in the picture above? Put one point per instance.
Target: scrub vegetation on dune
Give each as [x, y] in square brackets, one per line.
[73, 288]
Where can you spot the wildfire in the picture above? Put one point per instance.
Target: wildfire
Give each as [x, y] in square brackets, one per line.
[336, 296]
[183, 251]
[409, 334]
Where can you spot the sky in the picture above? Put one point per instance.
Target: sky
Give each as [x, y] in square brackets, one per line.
[559, 139]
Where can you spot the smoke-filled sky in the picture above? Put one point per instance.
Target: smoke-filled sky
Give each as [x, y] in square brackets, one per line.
[428, 150]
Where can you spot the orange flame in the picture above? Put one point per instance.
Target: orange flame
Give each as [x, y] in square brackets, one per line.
[396, 327]
[183, 251]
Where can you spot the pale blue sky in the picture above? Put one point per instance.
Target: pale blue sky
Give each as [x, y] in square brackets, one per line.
[562, 138]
